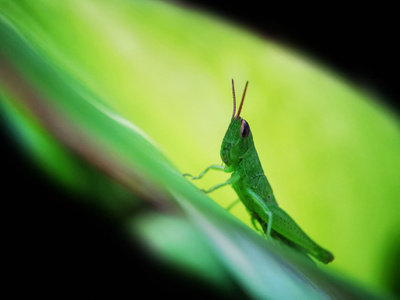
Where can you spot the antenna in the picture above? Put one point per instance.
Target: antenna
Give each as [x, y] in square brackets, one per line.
[241, 103]
[234, 99]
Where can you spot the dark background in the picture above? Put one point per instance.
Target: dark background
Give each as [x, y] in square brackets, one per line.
[357, 41]
[49, 240]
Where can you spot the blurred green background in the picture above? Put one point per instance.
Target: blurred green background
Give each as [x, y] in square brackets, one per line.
[330, 151]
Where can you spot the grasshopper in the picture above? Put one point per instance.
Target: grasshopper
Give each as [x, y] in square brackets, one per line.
[240, 158]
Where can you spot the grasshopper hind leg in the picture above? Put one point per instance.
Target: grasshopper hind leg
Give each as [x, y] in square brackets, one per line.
[256, 222]
[279, 238]
[290, 245]
[261, 226]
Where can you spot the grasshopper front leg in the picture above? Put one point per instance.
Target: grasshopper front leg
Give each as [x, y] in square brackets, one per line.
[212, 167]
[229, 207]
[235, 177]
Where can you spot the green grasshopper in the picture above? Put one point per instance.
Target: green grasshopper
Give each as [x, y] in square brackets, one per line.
[251, 185]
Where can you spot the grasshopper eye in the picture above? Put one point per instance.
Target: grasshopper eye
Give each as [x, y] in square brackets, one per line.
[244, 129]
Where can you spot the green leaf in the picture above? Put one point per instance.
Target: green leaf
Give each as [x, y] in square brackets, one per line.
[100, 78]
